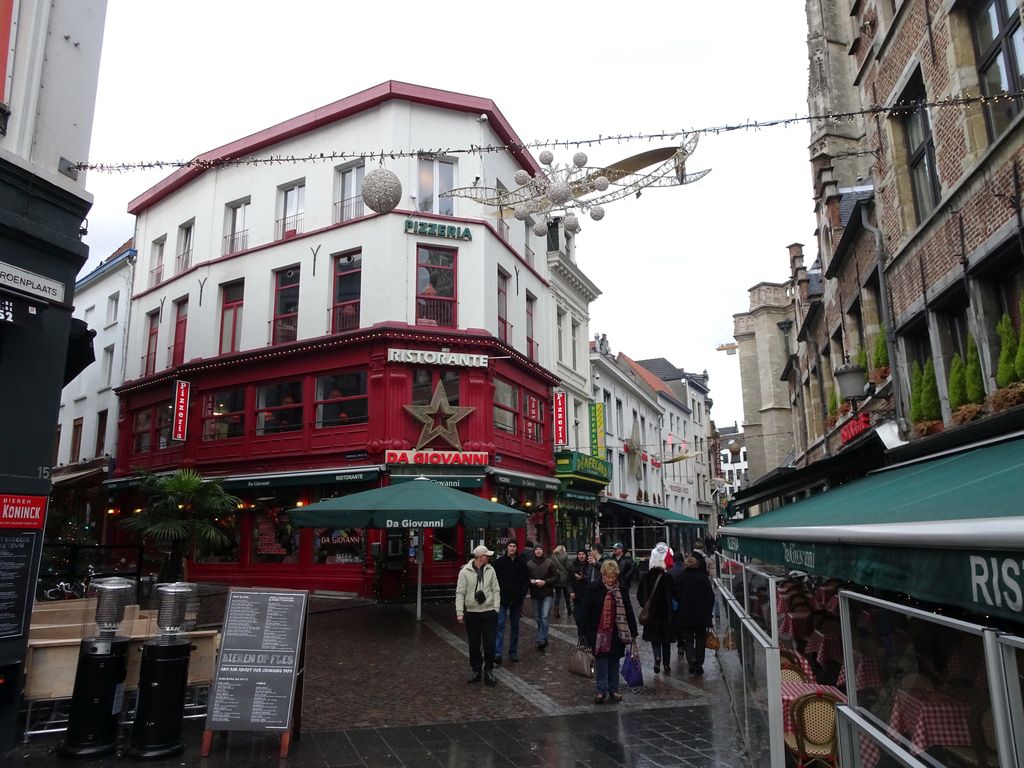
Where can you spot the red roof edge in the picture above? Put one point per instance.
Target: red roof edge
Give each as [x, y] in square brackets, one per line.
[338, 110]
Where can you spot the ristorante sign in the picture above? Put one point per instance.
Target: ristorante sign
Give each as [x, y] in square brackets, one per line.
[438, 458]
[437, 357]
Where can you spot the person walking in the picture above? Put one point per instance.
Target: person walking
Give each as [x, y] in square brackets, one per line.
[627, 566]
[513, 580]
[561, 561]
[596, 558]
[477, 599]
[658, 590]
[542, 575]
[696, 598]
[610, 630]
[661, 555]
[579, 579]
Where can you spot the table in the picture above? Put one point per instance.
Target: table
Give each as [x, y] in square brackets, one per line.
[868, 674]
[796, 623]
[805, 666]
[825, 648]
[823, 596]
[929, 718]
[793, 691]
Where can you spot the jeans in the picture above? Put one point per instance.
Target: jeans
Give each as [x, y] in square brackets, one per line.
[562, 593]
[541, 609]
[662, 651]
[513, 612]
[607, 674]
[480, 631]
[693, 639]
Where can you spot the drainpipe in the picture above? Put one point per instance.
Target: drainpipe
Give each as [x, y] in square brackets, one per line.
[824, 400]
[890, 335]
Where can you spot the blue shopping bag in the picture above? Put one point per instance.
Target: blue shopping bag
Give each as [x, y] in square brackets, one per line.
[632, 672]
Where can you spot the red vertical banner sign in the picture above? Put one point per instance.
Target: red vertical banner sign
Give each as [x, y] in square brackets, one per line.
[180, 427]
[561, 423]
[6, 46]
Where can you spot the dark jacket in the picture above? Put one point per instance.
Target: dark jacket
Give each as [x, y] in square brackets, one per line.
[542, 569]
[594, 603]
[561, 562]
[627, 571]
[659, 629]
[513, 579]
[696, 599]
[579, 586]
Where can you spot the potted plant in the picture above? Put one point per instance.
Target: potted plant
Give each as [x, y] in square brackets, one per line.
[964, 407]
[1011, 389]
[880, 358]
[929, 408]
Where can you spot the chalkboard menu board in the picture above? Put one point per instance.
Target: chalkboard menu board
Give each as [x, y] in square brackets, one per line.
[15, 571]
[260, 657]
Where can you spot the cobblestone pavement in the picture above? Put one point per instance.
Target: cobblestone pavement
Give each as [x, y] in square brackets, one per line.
[385, 690]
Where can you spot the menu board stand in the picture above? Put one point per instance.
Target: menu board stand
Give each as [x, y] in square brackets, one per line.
[261, 666]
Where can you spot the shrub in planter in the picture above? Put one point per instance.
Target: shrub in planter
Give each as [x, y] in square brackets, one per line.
[968, 412]
[862, 359]
[833, 403]
[1006, 372]
[915, 393]
[931, 408]
[1018, 364]
[881, 352]
[957, 383]
[974, 380]
[1006, 397]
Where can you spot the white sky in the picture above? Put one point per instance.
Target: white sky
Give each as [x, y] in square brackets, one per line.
[180, 78]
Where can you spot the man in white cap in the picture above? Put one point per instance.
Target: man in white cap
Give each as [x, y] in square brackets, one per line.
[477, 600]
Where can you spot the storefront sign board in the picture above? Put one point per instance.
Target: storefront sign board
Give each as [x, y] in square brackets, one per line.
[180, 426]
[15, 573]
[597, 446]
[450, 481]
[561, 421]
[437, 357]
[437, 229]
[438, 458]
[22, 280]
[21, 511]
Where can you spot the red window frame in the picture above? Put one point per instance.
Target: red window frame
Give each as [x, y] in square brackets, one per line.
[344, 408]
[101, 432]
[286, 306]
[180, 328]
[345, 310]
[503, 305]
[533, 417]
[433, 308]
[151, 428]
[76, 440]
[152, 334]
[221, 423]
[231, 312]
[506, 408]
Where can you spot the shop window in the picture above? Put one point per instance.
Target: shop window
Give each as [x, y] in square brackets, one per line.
[506, 406]
[280, 407]
[336, 546]
[435, 177]
[275, 539]
[232, 296]
[76, 440]
[142, 431]
[435, 286]
[225, 552]
[341, 399]
[224, 414]
[445, 543]
[424, 381]
[180, 329]
[286, 305]
[999, 48]
[151, 428]
[348, 272]
[101, 432]
[533, 418]
[502, 305]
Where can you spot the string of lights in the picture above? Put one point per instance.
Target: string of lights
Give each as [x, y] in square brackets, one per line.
[899, 109]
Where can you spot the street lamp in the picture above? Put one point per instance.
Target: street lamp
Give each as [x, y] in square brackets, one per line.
[850, 378]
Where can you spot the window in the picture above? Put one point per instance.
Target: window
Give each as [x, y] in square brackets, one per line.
[275, 539]
[341, 399]
[112, 302]
[533, 418]
[221, 552]
[338, 545]
[999, 47]
[575, 341]
[280, 407]
[506, 405]
[231, 316]
[151, 427]
[152, 333]
[436, 176]
[286, 306]
[180, 328]
[184, 258]
[577, 417]
[237, 237]
[56, 447]
[531, 343]
[156, 262]
[553, 239]
[348, 274]
[618, 418]
[435, 286]
[560, 330]
[503, 305]
[424, 381]
[917, 133]
[101, 433]
[108, 365]
[917, 345]
[224, 414]
[76, 440]
[350, 194]
[292, 205]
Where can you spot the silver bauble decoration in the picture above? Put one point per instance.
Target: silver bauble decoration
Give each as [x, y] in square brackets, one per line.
[579, 159]
[559, 192]
[540, 229]
[522, 177]
[546, 157]
[601, 183]
[570, 222]
[534, 206]
[382, 190]
[597, 213]
[521, 213]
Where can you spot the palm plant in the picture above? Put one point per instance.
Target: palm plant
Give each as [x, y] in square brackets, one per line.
[183, 510]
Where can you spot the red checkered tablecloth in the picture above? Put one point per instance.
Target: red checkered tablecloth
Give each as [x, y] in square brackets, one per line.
[869, 676]
[805, 666]
[796, 623]
[929, 718]
[793, 691]
[824, 648]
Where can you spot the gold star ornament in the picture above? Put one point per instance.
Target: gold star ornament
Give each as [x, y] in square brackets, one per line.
[439, 419]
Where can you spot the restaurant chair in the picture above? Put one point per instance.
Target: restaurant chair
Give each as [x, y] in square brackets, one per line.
[983, 750]
[798, 599]
[791, 674]
[814, 740]
[817, 617]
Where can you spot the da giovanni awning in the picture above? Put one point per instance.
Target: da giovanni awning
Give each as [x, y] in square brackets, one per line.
[420, 503]
[949, 530]
[661, 514]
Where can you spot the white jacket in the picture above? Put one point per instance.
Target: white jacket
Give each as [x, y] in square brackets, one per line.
[465, 590]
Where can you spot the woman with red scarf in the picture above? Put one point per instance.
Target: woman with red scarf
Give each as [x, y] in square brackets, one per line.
[610, 630]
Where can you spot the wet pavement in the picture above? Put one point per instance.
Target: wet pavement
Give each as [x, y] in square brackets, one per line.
[385, 690]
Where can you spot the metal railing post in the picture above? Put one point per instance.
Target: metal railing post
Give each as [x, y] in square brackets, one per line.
[997, 694]
[847, 634]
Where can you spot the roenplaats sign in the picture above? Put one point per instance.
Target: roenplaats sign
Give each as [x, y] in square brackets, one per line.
[22, 280]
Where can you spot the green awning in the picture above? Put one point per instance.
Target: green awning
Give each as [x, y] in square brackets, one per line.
[661, 514]
[949, 530]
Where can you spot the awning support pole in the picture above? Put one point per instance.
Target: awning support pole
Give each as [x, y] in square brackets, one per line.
[632, 539]
[419, 587]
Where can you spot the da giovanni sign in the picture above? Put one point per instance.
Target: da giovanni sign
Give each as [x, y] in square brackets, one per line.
[438, 458]
[984, 583]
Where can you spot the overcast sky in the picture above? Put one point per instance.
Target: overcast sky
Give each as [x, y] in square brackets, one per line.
[178, 79]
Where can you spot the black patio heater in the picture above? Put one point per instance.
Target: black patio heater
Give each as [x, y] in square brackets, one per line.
[163, 676]
[99, 679]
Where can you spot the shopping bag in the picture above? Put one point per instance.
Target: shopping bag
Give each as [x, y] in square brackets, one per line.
[729, 641]
[581, 662]
[711, 641]
[632, 672]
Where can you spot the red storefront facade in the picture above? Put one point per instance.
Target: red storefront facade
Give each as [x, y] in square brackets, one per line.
[290, 424]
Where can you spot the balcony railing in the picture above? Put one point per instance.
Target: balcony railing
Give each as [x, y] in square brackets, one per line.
[503, 229]
[532, 349]
[345, 210]
[284, 329]
[236, 241]
[344, 317]
[528, 254]
[156, 275]
[147, 364]
[503, 329]
[439, 312]
[289, 226]
[183, 261]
